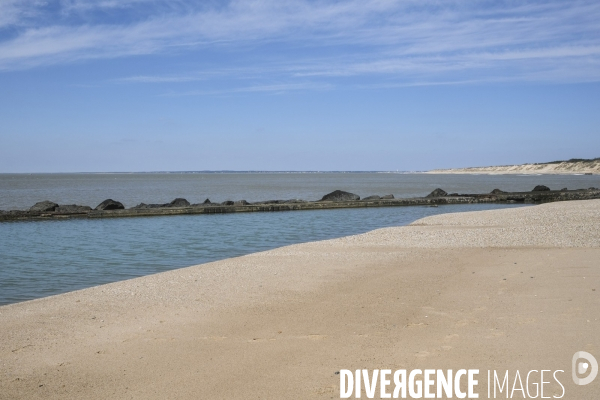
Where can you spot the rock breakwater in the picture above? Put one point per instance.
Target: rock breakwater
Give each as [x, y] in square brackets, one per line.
[338, 199]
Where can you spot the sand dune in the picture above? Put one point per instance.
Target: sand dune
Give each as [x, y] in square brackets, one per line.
[505, 289]
[565, 167]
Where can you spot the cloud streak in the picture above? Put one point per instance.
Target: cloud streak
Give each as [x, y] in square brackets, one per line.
[406, 41]
[272, 89]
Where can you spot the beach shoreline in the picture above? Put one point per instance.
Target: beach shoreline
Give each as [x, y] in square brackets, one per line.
[571, 167]
[503, 289]
[494, 171]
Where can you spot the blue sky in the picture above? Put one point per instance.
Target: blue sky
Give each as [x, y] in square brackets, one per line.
[146, 85]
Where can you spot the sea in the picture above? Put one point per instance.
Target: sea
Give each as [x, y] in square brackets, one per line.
[45, 258]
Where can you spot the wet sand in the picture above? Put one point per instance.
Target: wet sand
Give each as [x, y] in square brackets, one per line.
[504, 289]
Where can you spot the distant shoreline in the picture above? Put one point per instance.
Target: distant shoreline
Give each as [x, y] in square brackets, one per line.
[211, 172]
[570, 167]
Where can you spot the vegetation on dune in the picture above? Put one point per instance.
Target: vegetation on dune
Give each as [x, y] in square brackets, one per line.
[572, 160]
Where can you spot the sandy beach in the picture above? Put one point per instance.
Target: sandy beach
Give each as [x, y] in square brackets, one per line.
[513, 289]
[591, 167]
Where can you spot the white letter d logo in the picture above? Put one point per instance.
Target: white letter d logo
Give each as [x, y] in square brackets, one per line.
[583, 366]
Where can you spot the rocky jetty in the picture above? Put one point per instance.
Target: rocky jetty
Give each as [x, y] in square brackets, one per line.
[337, 199]
[178, 202]
[43, 206]
[377, 197]
[541, 188]
[48, 206]
[291, 201]
[437, 193]
[110, 204]
[72, 209]
[340, 195]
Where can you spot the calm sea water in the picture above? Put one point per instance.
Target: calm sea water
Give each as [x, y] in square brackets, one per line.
[50, 257]
[42, 258]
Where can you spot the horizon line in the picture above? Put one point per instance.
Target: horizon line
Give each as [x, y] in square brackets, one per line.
[224, 171]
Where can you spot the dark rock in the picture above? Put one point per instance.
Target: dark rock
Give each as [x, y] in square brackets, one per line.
[72, 209]
[540, 188]
[241, 203]
[564, 189]
[178, 202]
[340, 195]
[43, 206]
[454, 194]
[387, 197]
[497, 191]
[375, 197]
[144, 205]
[227, 203]
[19, 213]
[593, 188]
[205, 203]
[437, 193]
[110, 204]
[279, 202]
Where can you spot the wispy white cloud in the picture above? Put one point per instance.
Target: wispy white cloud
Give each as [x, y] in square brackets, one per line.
[274, 88]
[160, 79]
[418, 41]
[432, 64]
[16, 12]
[70, 6]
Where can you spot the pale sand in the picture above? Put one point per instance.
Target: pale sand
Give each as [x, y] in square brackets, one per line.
[563, 168]
[505, 289]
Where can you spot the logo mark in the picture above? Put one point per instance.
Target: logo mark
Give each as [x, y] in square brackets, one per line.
[581, 367]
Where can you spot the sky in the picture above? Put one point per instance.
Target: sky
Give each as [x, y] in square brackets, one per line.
[274, 85]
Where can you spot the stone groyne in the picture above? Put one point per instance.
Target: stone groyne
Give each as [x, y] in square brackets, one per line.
[109, 208]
